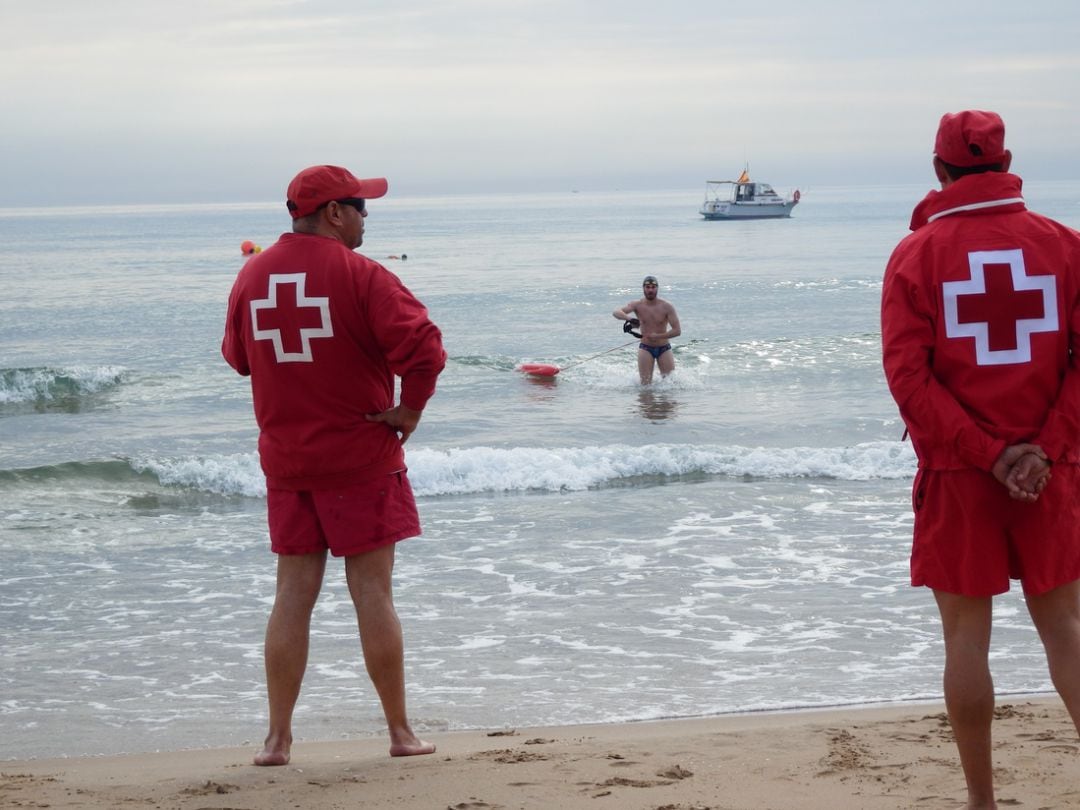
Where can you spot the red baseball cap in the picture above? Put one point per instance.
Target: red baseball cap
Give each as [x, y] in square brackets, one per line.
[317, 185]
[970, 138]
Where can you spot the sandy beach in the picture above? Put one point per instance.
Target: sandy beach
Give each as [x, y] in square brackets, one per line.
[877, 757]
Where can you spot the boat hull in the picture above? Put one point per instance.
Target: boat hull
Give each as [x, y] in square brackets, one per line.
[722, 210]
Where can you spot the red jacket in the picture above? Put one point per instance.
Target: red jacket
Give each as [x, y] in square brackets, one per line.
[323, 331]
[980, 326]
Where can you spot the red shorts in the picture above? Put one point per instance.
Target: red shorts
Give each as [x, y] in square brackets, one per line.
[347, 521]
[971, 538]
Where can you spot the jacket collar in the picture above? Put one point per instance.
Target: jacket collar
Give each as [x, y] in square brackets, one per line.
[996, 192]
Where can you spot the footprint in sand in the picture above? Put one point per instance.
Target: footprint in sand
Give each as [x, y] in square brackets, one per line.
[846, 753]
[508, 755]
[1059, 749]
[1010, 712]
[208, 789]
[620, 781]
[1042, 736]
[675, 772]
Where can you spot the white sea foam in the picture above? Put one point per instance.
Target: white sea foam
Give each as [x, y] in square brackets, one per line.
[237, 474]
[615, 373]
[555, 469]
[487, 469]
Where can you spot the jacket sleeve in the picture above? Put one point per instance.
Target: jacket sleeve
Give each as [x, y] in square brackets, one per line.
[1060, 433]
[232, 346]
[941, 429]
[411, 343]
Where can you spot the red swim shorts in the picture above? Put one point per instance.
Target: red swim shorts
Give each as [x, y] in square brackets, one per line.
[347, 521]
[971, 538]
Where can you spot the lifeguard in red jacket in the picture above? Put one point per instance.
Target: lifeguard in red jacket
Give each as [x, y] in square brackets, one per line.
[323, 332]
[980, 323]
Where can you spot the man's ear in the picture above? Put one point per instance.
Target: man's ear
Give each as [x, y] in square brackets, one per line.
[940, 172]
[332, 212]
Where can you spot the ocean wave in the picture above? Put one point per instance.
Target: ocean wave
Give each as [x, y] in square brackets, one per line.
[112, 471]
[47, 388]
[831, 284]
[462, 471]
[489, 469]
[237, 474]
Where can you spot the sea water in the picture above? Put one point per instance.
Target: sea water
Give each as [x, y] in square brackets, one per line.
[732, 538]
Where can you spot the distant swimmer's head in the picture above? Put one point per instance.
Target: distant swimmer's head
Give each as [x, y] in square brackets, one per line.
[651, 286]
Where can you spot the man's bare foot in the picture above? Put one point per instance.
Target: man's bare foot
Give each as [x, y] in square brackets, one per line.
[273, 753]
[265, 757]
[412, 749]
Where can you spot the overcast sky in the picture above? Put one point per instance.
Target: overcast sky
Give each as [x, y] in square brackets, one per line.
[224, 100]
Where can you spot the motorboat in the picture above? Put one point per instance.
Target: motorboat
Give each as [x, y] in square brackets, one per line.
[745, 199]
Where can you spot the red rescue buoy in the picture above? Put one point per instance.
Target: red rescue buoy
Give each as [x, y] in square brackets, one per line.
[539, 369]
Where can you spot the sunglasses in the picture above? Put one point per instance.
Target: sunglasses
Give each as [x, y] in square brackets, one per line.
[355, 202]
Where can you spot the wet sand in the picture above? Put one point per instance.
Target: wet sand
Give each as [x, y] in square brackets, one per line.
[874, 757]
